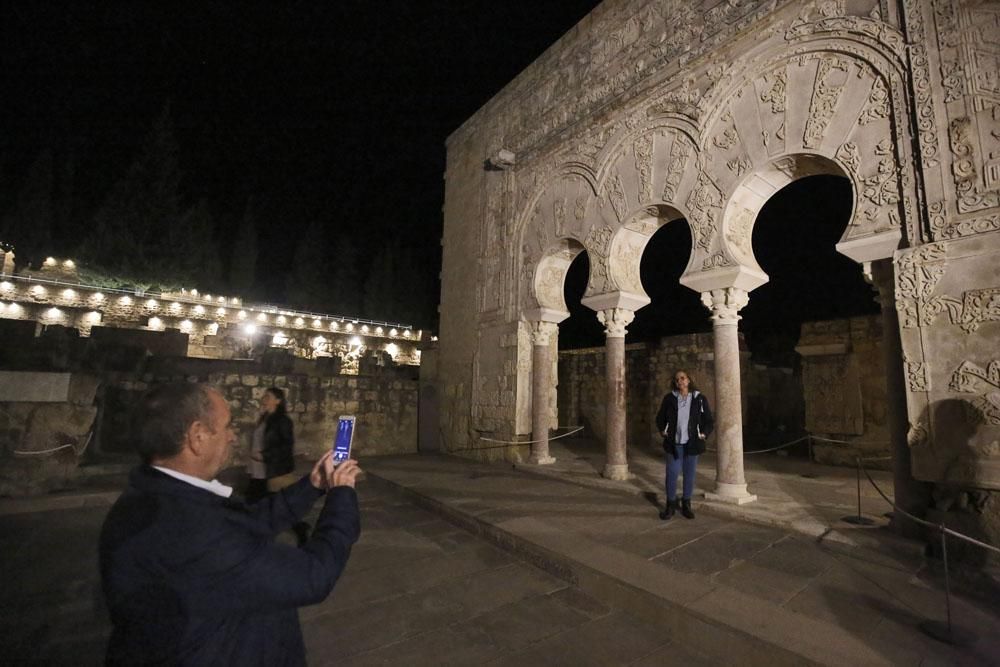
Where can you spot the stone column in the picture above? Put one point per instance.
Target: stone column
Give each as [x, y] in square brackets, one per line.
[910, 494]
[541, 385]
[615, 320]
[730, 483]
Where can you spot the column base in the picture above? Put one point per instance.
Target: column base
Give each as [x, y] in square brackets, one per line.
[735, 494]
[617, 472]
[542, 460]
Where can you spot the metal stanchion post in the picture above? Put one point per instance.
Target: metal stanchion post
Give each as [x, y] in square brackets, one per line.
[858, 520]
[946, 632]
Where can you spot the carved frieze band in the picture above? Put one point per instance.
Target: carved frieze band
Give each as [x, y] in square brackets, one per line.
[971, 378]
[704, 204]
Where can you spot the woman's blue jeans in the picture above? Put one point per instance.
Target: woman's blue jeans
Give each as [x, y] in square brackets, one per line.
[690, 466]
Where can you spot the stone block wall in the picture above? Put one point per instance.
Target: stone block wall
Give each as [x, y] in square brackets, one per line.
[385, 404]
[843, 375]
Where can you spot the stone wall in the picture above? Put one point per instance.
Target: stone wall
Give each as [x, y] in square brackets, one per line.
[384, 402]
[843, 374]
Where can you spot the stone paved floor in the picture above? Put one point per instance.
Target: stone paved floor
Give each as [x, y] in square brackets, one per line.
[418, 590]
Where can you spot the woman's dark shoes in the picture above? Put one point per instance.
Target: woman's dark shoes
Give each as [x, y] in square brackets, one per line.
[686, 508]
[669, 511]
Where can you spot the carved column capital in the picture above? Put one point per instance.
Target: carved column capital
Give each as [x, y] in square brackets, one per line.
[615, 320]
[725, 304]
[541, 332]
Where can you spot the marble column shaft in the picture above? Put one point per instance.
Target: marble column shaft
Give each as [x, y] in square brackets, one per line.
[541, 390]
[730, 482]
[615, 320]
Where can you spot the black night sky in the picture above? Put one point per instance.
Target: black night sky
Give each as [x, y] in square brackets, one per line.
[336, 113]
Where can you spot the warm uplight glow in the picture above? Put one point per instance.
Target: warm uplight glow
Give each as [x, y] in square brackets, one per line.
[186, 325]
[242, 314]
[317, 323]
[155, 323]
[13, 308]
[151, 304]
[175, 307]
[222, 299]
[199, 310]
[53, 313]
[93, 317]
[69, 264]
[208, 297]
[407, 334]
[299, 321]
[50, 261]
[97, 296]
[213, 328]
[250, 328]
[261, 317]
[194, 292]
[392, 349]
[334, 326]
[349, 327]
[393, 332]
[281, 319]
[6, 286]
[68, 294]
[38, 290]
[378, 330]
[318, 342]
[279, 339]
[125, 301]
[356, 341]
[220, 311]
[364, 328]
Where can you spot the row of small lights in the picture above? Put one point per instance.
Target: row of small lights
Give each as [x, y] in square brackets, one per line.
[199, 310]
[51, 314]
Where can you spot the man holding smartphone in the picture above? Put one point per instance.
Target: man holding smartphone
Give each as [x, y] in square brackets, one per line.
[192, 576]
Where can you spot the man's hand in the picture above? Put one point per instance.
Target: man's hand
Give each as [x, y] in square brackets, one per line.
[321, 471]
[344, 474]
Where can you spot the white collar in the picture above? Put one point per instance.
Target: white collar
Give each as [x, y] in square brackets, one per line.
[215, 486]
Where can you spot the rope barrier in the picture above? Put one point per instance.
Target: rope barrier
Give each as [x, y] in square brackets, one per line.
[42, 452]
[941, 527]
[531, 442]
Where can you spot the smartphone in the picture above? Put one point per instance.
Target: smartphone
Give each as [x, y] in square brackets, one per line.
[345, 436]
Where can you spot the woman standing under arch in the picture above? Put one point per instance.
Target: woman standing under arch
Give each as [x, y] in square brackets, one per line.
[685, 420]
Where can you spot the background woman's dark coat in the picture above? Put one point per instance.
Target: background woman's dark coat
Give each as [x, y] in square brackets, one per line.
[279, 445]
[699, 417]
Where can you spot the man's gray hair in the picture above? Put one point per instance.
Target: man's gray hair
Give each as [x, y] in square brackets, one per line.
[163, 415]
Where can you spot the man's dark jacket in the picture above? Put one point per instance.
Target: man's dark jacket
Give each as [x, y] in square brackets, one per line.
[193, 578]
[700, 417]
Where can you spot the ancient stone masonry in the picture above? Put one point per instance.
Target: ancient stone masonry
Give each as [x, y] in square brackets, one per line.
[651, 112]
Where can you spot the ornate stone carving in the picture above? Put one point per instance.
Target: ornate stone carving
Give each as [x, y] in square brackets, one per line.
[877, 106]
[725, 304]
[740, 229]
[643, 150]
[920, 66]
[848, 155]
[919, 273]
[975, 307]
[615, 320]
[541, 332]
[615, 194]
[883, 187]
[680, 151]
[599, 241]
[970, 378]
[831, 77]
[559, 216]
[739, 165]
[715, 261]
[549, 286]
[704, 203]
[774, 90]
[963, 168]
[728, 137]
[917, 379]
[952, 229]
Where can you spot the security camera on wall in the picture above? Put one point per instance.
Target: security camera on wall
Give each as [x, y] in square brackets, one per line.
[500, 161]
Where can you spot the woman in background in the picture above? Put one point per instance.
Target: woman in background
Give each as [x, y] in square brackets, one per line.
[272, 453]
[685, 420]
